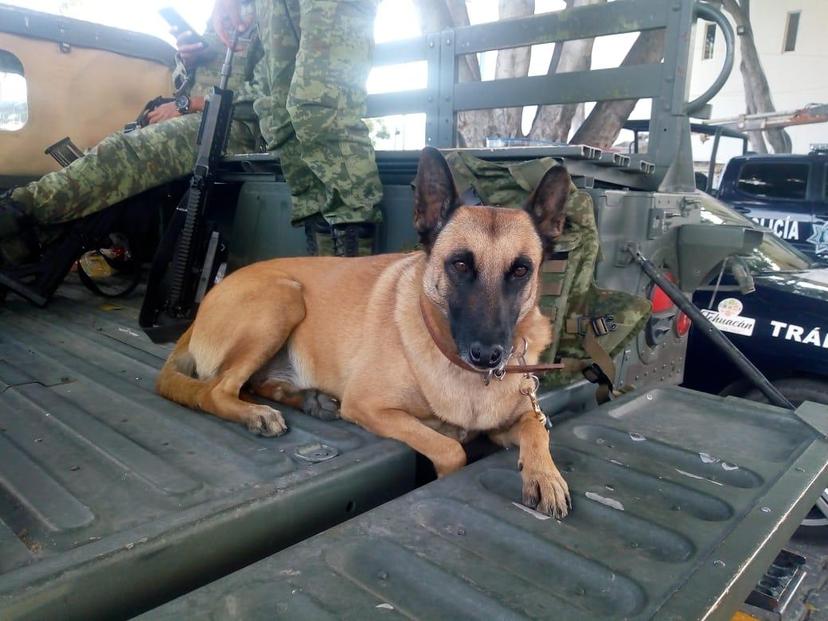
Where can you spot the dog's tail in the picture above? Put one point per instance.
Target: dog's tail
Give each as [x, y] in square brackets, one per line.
[177, 381]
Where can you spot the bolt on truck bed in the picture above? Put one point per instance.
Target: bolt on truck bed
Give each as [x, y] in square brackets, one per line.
[113, 500]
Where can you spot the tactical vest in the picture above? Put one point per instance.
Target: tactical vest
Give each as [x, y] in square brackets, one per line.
[590, 326]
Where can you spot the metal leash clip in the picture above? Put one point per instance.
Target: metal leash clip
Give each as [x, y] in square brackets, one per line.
[529, 387]
[499, 372]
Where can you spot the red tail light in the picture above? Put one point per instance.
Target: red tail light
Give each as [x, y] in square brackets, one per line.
[683, 324]
[660, 301]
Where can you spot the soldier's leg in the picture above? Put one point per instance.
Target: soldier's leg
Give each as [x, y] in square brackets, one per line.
[278, 22]
[120, 166]
[326, 104]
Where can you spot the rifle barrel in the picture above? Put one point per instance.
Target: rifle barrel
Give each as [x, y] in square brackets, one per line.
[227, 67]
[711, 331]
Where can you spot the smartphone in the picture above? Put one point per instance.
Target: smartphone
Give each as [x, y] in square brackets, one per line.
[174, 19]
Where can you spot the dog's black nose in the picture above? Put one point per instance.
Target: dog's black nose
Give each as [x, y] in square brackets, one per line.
[486, 355]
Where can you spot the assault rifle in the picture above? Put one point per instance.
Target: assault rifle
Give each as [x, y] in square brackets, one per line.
[191, 253]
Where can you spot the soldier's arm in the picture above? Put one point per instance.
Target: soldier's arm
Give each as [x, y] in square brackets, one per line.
[253, 87]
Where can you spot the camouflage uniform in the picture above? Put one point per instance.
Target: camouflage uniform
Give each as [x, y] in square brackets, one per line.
[120, 166]
[126, 164]
[318, 54]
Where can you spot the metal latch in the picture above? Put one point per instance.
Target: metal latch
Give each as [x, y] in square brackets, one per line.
[601, 325]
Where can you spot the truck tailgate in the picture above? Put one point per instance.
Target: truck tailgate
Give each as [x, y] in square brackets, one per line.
[113, 500]
[681, 500]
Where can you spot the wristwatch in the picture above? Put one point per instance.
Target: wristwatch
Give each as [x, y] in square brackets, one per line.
[182, 104]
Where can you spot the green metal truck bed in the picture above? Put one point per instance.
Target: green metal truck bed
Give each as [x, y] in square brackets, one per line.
[680, 502]
[113, 500]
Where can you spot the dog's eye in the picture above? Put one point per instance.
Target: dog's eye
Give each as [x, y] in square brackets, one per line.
[520, 271]
[461, 266]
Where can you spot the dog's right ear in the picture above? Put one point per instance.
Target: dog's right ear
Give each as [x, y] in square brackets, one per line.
[435, 197]
[547, 206]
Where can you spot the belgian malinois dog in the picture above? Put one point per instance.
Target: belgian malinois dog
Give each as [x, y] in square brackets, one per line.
[400, 340]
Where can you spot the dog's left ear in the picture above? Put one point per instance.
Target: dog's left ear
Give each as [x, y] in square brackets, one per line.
[547, 205]
[435, 197]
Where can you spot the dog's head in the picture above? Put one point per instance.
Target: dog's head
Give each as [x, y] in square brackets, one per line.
[483, 262]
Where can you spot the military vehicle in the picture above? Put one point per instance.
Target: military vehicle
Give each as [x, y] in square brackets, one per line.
[115, 502]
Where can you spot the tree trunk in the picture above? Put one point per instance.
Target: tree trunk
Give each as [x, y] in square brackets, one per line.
[512, 63]
[435, 16]
[757, 90]
[474, 126]
[555, 122]
[604, 123]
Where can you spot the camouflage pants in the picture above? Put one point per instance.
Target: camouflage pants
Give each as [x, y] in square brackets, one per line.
[317, 55]
[120, 166]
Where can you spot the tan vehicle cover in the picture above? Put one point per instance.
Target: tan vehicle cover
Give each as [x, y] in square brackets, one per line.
[74, 91]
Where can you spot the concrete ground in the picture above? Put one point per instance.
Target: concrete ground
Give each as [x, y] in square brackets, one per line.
[811, 603]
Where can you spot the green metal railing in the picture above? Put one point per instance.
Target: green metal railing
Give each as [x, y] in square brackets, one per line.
[665, 83]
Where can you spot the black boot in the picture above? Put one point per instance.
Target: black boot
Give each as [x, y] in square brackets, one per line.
[12, 216]
[354, 239]
[18, 235]
[318, 237]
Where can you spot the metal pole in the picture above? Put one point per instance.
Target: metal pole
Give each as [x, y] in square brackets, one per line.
[711, 170]
[227, 67]
[709, 330]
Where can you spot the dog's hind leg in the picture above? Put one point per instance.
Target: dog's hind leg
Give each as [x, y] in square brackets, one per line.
[312, 402]
[245, 347]
[320, 405]
[277, 390]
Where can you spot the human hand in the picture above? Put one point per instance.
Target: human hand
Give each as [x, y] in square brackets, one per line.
[196, 104]
[163, 112]
[190, 48]
[227, 20]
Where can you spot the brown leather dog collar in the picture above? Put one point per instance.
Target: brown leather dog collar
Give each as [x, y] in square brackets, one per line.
[455, 359]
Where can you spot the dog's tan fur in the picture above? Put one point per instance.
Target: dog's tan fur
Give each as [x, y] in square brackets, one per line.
[353, 329]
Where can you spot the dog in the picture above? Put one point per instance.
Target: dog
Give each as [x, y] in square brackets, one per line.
[401, 341]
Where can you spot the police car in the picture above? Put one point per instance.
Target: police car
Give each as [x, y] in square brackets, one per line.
[787, 194]
[773, 305]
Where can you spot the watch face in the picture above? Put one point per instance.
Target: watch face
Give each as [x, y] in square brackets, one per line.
[182, 104]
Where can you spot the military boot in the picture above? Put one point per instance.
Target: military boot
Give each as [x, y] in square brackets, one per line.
[355, 239]
[12, 216]
[319, 237]
[18, 237]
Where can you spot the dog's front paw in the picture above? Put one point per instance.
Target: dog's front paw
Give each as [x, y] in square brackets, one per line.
[450, 460]
[265, 421]
[545, 490]
[319, 405]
